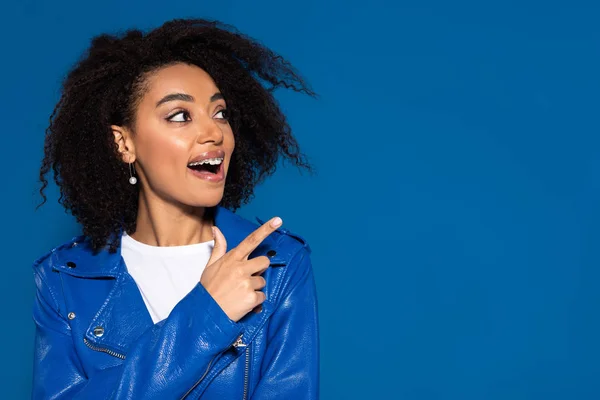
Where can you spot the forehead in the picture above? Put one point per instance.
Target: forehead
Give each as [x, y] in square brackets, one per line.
[179, 78]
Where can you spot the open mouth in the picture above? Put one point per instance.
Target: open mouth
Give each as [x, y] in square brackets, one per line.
[208, 165]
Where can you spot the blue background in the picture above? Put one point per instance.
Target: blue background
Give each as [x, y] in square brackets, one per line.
[454, 219]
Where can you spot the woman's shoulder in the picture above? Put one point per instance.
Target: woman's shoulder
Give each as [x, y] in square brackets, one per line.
[283, 239]
[286, 239]
[58, 252]
[45, 278]
[44, 265]
[284, 247]
[292, 250]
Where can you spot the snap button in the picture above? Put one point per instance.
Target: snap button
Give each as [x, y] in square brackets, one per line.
[71, 315]
[74, 244]
[71, 264]
[271, 253]
[98, 331]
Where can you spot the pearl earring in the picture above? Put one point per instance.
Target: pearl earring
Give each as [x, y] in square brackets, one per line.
[132, 179]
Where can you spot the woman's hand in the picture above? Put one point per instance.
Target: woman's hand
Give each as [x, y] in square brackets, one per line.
[233, 280]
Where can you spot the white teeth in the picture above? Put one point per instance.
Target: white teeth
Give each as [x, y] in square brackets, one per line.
[211, 161]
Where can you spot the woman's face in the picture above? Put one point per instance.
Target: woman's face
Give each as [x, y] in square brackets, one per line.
[183, 142]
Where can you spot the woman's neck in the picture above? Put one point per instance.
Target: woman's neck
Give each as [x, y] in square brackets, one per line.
[160, 223]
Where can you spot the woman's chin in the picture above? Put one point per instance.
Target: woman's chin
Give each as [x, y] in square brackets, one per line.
[207, 200]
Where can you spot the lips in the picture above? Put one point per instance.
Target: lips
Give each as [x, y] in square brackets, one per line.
[208, 166]
[207, 155]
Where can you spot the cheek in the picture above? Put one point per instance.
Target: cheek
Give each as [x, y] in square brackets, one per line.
[160, 153]
[164, 148]
[229, 144]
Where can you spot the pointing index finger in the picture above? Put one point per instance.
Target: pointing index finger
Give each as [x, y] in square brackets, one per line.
[254, 239]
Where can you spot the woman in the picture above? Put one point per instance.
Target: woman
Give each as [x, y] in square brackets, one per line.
[168, 294]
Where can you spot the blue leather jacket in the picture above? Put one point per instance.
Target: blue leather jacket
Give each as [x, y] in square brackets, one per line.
[96, 340]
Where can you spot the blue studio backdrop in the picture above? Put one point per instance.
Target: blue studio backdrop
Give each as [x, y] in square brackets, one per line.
[454, 218]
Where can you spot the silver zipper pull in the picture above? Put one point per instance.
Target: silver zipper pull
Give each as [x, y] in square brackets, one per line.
[239, 343]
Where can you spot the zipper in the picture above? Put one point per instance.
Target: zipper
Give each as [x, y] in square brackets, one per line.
[246, 372]
[238, 343]
[199, 380]
[107, 351]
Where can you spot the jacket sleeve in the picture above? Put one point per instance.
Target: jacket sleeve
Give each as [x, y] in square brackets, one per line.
[164, 363]
[290, 366]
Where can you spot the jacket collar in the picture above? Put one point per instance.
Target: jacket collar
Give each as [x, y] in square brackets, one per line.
[83, 263]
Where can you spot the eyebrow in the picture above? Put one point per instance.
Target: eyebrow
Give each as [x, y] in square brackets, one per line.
[186, 97]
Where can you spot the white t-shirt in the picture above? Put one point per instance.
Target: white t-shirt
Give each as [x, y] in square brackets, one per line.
[164, 275]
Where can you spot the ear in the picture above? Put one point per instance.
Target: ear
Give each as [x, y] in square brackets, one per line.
[124, 142]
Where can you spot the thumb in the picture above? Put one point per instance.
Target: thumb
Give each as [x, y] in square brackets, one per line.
[220, 247]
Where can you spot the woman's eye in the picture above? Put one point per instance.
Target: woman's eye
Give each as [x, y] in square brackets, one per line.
[181, 116]
[224, 113]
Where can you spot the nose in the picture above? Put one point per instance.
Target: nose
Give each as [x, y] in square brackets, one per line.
[209, 131]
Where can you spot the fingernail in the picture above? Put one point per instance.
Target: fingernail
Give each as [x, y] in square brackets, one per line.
[212, 228]
[276, 222]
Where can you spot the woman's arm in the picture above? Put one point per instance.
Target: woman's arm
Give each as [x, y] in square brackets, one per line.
[290, 367]
[164, 362]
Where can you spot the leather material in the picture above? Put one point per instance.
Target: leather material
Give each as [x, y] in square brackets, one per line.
[95, 338]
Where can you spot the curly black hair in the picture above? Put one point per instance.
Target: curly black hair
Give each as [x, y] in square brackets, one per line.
[104, 88]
